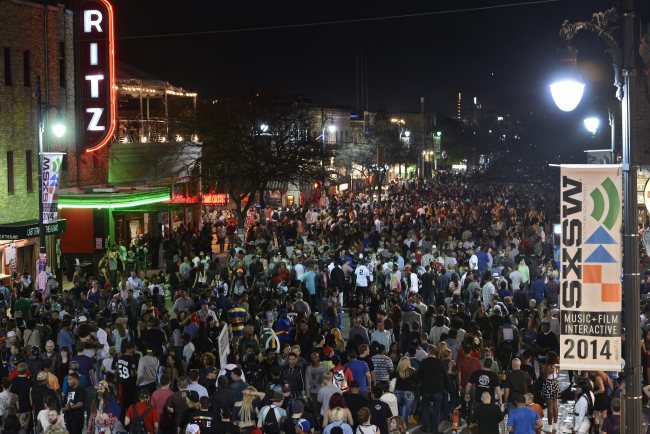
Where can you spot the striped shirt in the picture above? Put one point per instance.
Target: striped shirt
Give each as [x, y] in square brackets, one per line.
[383, 365]
[237, 318]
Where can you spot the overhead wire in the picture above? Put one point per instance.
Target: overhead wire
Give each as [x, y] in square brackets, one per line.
[334, 22]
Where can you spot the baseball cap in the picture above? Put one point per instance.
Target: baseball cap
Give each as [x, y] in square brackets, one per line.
[297, 407]
[192, 428]
[303, 424]
[82, 318]
[11, 334]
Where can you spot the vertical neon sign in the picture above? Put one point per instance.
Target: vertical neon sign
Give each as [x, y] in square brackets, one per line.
[97, 73]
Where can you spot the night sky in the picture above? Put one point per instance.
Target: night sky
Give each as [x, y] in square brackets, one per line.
[498, 53]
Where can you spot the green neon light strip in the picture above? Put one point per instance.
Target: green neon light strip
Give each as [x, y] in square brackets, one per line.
[108, 201]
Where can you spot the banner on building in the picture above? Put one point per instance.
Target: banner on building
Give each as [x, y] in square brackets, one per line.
[11, 259]
[224, 346]
[51, 171]
[590, 282]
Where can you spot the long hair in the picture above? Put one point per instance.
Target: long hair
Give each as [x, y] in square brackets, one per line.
[247, 413]
[404, 368]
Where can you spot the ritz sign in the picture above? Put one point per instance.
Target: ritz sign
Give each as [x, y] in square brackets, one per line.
[97, 72]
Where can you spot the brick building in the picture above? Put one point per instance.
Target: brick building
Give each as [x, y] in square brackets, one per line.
[35, 40]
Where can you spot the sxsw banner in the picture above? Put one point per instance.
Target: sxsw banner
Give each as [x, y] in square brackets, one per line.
[51, 171]
[590, 310]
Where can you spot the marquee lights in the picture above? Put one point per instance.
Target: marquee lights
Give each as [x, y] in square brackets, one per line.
[97, 73]
[152, 90]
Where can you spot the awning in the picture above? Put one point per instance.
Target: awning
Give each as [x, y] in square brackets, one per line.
[29, 229]
[277, 185]
[118, 200]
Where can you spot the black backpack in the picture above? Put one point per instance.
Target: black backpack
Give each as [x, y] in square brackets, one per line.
[271, 424]
[137, 424]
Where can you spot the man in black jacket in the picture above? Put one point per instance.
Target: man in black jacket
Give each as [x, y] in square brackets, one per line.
[434, 381]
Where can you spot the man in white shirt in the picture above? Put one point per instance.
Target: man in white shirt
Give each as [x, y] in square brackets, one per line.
[473, 261]
[135, 284]
[363, 277]
[515, 278]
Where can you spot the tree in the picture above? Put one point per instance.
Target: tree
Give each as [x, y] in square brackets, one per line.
[249, 142]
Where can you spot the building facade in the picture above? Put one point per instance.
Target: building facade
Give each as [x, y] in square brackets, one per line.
[36, 41]
[138, 186]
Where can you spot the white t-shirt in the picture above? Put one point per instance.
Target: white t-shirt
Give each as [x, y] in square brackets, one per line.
[363, 276]
[414, 283]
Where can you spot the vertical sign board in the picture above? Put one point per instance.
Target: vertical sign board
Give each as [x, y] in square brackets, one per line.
[224, 346]
[51, 171]
[590, 310]
[96, 73]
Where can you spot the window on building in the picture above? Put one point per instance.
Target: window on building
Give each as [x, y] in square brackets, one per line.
[29, 171]
[8, 78]
[62, 71]
[10, 172]
[27, 75]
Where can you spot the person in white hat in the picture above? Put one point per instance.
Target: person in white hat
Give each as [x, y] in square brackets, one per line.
[192, 429]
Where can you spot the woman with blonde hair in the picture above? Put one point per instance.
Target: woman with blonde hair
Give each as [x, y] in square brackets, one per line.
[342, 413]
[338, 338]
[405, 386]
[338, 417]
[245, 411]
[442, 347]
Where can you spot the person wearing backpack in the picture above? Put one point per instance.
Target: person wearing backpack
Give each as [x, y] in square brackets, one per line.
[272, 416]
[584, 408]
[141, 417]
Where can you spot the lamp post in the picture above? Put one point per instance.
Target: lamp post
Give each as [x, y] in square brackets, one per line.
[331, 129]
[624, 73]
[58, 129]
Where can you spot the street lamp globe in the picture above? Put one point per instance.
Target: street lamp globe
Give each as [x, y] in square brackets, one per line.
[58, 129]
[331, 128]
[407, 133]
[567, 94]
[264, 128]
[592, 124]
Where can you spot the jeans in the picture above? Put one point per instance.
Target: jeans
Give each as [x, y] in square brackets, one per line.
[405, 400]
[435, 399]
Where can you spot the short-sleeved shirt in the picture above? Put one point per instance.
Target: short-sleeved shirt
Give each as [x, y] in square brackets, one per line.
[467, 366]
[126, 367]
[379, 414]
[206, 420]
[523, 419]
[488, 418]
[517, 383]
[149, 420]
[75, 396]
[359, 370]
[484, 381]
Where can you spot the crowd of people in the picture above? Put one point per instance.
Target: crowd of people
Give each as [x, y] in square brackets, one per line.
[437, 305]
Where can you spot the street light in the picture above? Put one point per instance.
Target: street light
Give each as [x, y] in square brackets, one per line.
[264, 128]
[623, 60]
[407, 133]
[567, 94]
[592, 124]
[58, 129]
